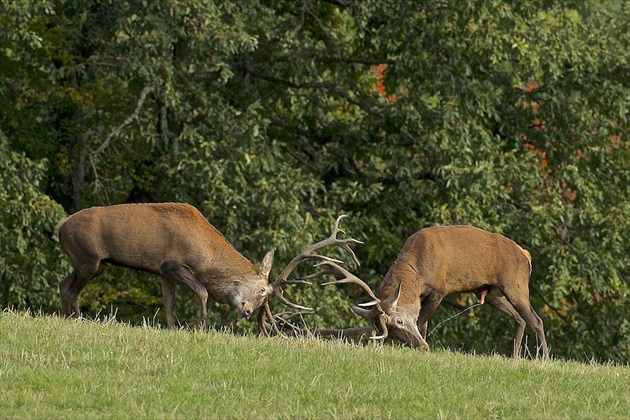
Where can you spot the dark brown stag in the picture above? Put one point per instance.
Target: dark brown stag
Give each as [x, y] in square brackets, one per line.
[443, 260]
[172, 240]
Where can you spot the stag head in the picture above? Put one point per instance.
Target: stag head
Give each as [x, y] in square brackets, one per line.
[253, 291]
[394, 321]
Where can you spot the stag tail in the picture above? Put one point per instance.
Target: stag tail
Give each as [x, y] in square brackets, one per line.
[61, 222]
[529, 260]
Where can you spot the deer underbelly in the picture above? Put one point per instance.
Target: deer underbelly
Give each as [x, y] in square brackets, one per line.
[137, 263]
[466, 285]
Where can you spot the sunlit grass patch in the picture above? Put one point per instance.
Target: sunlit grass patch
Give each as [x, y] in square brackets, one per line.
[54, 367]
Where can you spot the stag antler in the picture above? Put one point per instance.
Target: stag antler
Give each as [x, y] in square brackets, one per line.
[308, 254]
[332, 268]
[265, 317]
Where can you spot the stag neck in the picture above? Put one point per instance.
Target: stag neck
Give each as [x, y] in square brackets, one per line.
[225, 265]
[220, 254]
[408, 276]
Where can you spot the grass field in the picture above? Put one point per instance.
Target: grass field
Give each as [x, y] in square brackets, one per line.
[52, 367]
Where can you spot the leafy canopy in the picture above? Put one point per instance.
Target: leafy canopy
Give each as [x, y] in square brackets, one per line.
[274, 117]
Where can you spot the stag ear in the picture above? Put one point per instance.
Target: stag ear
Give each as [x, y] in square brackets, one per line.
[364, 313]
[392, 300]
[267, 263]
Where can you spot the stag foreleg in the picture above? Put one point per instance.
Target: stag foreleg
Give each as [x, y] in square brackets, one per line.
[168, 292]
[71, 287]
[175, 272]
[423, 330]
[428, 306]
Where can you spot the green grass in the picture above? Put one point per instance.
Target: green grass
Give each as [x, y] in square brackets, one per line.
[52, 367]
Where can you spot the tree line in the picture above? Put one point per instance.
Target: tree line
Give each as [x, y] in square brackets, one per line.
[274, 117]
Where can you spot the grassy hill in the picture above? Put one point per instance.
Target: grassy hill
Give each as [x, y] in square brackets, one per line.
[52, 367]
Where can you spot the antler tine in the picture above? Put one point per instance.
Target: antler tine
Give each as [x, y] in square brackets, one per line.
[382, 327]
[308, 254]
[284, 321]
[268, 322]
[336, 226]
[265, 312]
[332, 240]
[348, 277]
[307, 283]
[279, 294]
[343, 243]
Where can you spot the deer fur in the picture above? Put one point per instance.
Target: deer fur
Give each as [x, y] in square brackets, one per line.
[173, 240]
[439, 261]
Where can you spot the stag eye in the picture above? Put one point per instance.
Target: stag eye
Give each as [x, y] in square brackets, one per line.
[263, 291]
[399, 321]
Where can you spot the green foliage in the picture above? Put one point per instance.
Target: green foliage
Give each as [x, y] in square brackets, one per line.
[30, 257]
[538, 162]
[270, 118]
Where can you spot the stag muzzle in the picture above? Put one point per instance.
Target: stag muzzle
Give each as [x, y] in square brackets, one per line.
[417, 343]
[410, 339]
[245, 310]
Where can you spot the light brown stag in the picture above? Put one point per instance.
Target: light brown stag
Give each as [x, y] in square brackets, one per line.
[439, 261]
[173, 240]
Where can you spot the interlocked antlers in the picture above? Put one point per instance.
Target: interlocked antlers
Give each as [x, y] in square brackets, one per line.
[351, 278]
[332, 268]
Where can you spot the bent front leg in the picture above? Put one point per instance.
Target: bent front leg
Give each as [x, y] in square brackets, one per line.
[428, 306]
[168, 292]
[174, 271]
[423, 329]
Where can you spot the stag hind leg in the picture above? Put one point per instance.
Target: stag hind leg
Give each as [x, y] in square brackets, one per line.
[175, 272]
[71, 287]
[532, 318]
[69, 304]
[497, 300]
[518, 297]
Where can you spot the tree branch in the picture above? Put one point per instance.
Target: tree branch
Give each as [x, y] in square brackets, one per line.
[354, 60]
[133, 117]
[557, 312]
[340, 3]
[317, 85]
